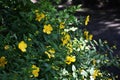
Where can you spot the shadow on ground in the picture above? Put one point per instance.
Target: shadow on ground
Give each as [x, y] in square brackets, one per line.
[104, 24]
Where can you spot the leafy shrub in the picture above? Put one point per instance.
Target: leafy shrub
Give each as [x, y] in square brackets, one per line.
[38, 42]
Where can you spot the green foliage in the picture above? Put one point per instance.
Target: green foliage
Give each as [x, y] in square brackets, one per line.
[38, 42]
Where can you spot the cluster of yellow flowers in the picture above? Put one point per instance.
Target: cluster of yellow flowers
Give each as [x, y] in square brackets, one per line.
[70, 59]
[47, 29]
[35, 71]
[39, 16]
[65, 39]
[22, 46]
[88, 36]
[87, 20]
[3, 61]
[50, 52]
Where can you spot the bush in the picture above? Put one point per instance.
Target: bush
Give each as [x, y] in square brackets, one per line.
[38, 42]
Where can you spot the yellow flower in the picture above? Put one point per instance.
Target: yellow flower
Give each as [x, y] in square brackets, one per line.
[90, 37]
[39, 16]
[70, 59]
[6, 47]
[65, 39]
[87, 36]
[87, 20]
[2, 61]
[22, 46]
[50, 53]
[86, 33]
[62, 25]
[35, 70]
[47, 29]
[96, 73]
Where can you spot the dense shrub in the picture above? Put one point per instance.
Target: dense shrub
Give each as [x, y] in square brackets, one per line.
[38, 42]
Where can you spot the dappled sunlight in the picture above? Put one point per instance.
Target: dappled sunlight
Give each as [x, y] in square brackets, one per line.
[107, 23]
[113, 25]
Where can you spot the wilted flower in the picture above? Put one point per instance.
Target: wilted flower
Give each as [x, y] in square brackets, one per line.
[6, 47]
[2, 61]
[22, 46]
